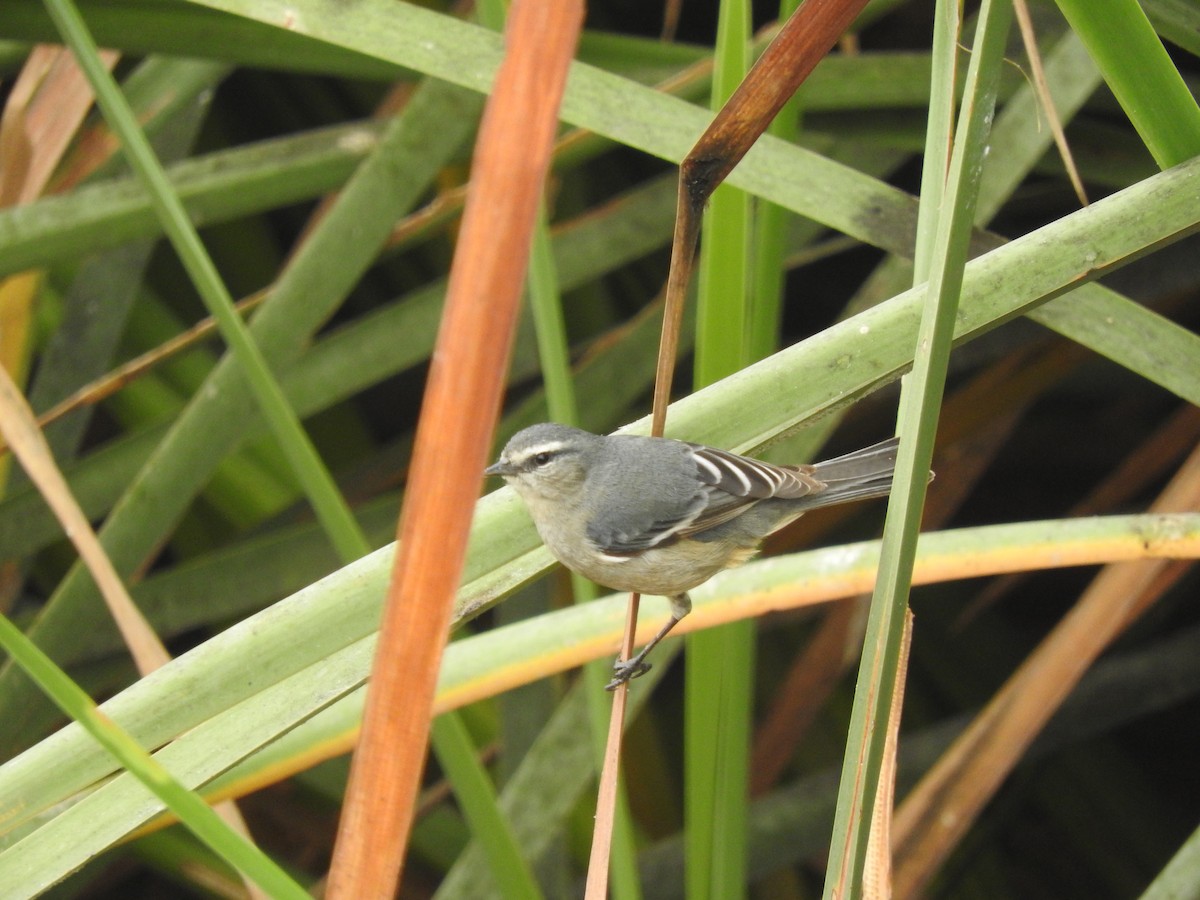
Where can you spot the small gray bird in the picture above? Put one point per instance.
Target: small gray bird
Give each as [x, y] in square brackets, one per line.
[659, 516]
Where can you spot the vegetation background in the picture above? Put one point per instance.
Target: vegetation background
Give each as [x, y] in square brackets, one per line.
[330, 179]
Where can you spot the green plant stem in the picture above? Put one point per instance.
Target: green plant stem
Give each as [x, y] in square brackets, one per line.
[456, 753]
[1141, 75]
[276, 722]
[1181, 876]
[919, 409]
[328, 503]
[197, 815]
[740, 412]
[767, 266]
[939, 129]
[546, 301]
[720, 661]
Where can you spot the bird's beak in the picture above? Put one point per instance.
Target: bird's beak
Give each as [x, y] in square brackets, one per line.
[500, 467]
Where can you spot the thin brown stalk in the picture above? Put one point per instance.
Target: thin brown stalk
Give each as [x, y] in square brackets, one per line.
[802, 42]
[606, 793]
[30, 447]
[671, 11]
[458, 417]
[877, 873]
[111, 382]
[1025, 23]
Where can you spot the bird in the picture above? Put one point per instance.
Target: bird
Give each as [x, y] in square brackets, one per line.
[660, 516]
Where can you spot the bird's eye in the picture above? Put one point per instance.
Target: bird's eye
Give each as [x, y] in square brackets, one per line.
[540, 459]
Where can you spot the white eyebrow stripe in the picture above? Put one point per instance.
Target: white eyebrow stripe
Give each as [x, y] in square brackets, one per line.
[548, 447]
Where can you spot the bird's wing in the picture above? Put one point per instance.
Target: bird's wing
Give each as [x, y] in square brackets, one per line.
[735, 483]
[742, 476]
[640, 527]
[693, 489]
[647, 505]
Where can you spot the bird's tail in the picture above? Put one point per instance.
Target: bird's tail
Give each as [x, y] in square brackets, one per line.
[855, 476]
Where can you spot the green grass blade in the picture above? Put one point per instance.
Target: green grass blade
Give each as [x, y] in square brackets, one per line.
[330, 506]
[718, 698]
[475, 792]
[1177, 21]
[215, 187]
[919, 409]
[151, 26]
[545, 301]
[1141, 74]
[550, 325]
[767, 269]
[935, 161]
[740, 412]
[194, 812]
[226, 738]
[1181, 877]
[311, 286]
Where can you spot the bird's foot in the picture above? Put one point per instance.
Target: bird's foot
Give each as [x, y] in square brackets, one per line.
[626, 669]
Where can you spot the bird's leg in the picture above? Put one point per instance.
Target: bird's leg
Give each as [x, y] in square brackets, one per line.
[625, 669]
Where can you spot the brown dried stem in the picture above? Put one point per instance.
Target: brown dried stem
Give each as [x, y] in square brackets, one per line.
[462, 400]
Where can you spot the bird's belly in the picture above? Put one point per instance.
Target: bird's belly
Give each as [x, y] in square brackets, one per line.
[663, 571]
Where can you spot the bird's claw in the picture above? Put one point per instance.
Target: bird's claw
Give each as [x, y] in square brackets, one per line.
[626, 669]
